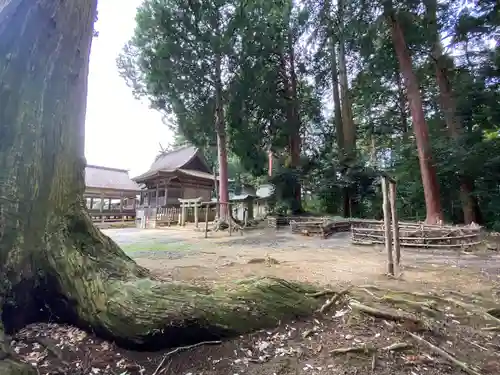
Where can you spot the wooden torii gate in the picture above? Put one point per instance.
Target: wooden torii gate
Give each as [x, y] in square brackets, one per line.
[195, 203]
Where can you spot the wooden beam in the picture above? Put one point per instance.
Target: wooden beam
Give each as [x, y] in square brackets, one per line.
[206, 220]
[387, 227]
[196, 214]
[157, 195]
[121, 205]
[101, 208]
[395, 223]
[228, 216]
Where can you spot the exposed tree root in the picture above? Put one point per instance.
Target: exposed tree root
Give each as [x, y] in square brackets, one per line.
[8, 365]
[354, 349]
[426, 307]
[430, 308]
[491, 329]
[365, 348]
[105, 291]
[397, 346]
[437, 350]
[322, 293]
[143, 312]
[181, 348]
[473, 309]
[384, 314]
[118, 300]
[329, 303]
[494, 312]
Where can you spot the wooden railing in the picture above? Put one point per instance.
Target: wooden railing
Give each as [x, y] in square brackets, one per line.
[112, 215]
[170, 215]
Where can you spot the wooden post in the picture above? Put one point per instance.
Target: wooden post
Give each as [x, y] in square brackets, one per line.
[395, 223]
[157, 195]
[206, 220]
[166, 196]
[183, 213]
[121, 206]
[387, 227]
[101, 207]
[196, 214]
[229, 214]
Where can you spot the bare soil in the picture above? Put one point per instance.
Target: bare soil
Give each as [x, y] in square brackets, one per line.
[301, 347]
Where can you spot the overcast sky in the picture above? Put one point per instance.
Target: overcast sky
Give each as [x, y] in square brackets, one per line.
[121, 131]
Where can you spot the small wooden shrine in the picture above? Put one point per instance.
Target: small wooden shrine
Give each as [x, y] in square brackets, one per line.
[180, 174]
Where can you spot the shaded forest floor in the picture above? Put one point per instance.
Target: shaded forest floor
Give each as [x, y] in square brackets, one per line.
[463, 324]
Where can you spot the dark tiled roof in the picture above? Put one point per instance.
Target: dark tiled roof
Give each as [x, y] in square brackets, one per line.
[241, 197]
[174, 161]
[199, 174]
[108, 178]
[170, 161]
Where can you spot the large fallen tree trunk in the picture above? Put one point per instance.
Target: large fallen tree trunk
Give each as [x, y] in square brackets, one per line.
[53, 261]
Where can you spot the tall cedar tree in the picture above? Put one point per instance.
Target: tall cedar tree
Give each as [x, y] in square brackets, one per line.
[178, 59]
[427, 167]
[443, 65]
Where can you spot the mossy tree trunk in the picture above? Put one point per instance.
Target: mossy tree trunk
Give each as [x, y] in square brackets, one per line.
[53, 261]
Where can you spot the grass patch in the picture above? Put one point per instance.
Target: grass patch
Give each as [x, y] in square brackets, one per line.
[156, 246]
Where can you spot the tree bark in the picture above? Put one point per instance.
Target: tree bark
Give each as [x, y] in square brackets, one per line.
[447, 102]
[402, 105]
[347, 118]
[221, 142]
[427, 168]
[293, 116]
[349, 127]
[53, 260]
[336, 97]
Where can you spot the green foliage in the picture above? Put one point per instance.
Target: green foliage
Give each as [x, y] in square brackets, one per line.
[170, 61]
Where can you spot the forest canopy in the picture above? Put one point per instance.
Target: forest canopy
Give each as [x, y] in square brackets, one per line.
[338, 91]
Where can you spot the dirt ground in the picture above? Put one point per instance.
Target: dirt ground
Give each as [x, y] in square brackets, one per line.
[332, 261]
[303, 347]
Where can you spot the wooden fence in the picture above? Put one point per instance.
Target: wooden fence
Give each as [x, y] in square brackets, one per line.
[107, 216]
[368, 232]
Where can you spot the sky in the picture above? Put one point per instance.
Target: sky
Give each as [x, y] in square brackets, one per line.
[120, 131]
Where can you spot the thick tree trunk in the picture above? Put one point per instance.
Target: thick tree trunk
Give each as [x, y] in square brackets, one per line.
[294, 123]
[347, 117]
[53, 261]
[349, 127]
[427, 168]
[402, 105]
[221, 142]
[336, 97]
[449, 108]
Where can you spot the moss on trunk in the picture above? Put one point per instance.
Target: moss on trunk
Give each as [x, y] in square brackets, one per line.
[117, 299]
[53, 261]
